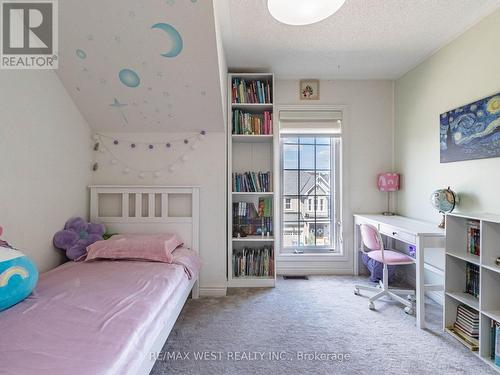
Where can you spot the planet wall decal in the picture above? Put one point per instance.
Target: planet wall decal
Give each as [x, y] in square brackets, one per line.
[129, 78]
[81, 54]
[175, 38]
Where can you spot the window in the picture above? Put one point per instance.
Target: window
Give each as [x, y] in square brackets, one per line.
[310, 178]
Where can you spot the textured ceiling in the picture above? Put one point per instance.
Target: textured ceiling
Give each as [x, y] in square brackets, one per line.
[142, 66]
[365, 39]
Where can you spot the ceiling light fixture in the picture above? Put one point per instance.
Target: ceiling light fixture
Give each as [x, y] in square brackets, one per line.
[303, 12]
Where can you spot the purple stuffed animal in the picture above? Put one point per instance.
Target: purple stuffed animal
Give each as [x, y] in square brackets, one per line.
[76, 236]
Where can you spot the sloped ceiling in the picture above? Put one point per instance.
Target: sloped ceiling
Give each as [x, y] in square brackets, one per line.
[365, 39]
[142, 66]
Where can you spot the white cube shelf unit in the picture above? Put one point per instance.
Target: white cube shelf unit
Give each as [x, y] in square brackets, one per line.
[487, 304]
[251, 152]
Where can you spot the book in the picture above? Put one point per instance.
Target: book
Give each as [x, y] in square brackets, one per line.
[265, 207]
[497, 344]
[473, 237]
[493, 329]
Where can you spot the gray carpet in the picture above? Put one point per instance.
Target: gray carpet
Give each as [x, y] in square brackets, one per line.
[319, 315]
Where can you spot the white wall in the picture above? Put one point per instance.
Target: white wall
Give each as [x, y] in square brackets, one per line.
[205, 168]
[368, 142]
[45, 162]
[464, 71]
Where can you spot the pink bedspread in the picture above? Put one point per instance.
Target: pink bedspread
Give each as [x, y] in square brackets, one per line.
[92, 318]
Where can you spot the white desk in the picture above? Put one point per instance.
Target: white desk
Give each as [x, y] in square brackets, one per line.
[422, 234]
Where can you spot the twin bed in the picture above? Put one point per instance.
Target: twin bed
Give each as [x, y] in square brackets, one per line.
[108, 316]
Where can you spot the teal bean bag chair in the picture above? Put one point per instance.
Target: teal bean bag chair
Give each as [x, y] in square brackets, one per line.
[18, 275]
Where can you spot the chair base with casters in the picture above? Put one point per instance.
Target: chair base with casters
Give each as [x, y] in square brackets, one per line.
[382, 291]
[373, 241]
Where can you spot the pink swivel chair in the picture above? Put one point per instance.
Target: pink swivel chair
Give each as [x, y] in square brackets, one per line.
[373, 242]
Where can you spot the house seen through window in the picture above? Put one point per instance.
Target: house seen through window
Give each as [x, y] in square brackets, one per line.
[310, 174]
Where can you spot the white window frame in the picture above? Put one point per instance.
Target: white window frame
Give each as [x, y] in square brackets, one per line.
[330, 263]
[335, 201]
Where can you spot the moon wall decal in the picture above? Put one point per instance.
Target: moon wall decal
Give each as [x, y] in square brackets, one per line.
[129, 78]
[175, 37]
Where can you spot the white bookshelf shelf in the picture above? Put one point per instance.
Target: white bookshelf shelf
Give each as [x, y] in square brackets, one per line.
[251, 282]
[494, 268]
[474, 259]
[495, 314]
[263, 193]
[252, 106]
[251, 153]
[250, 138]
[254, 239]
[465, 298]
[457, 257]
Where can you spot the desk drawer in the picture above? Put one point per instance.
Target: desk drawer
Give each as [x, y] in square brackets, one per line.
[397, 234]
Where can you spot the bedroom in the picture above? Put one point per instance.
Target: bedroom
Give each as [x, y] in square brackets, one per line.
[133, 126]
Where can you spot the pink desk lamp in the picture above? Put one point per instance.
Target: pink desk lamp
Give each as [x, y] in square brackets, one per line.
[388, 182]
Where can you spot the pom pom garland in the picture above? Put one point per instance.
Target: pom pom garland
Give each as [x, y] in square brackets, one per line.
[191, 142]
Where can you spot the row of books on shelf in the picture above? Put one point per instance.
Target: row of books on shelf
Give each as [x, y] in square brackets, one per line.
[252, 182]
[244, 210]
[248, 210]
[473, 237]
[251, 91]
[252, 123]
[472, 279]
[253, 262]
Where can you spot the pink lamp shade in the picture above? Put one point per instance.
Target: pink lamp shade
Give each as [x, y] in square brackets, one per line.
[388, 181]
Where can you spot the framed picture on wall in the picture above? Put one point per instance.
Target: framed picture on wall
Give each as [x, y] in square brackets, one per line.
[471, 131]
[309, 89]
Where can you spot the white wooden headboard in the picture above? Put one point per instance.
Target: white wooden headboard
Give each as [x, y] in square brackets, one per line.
[148, 209]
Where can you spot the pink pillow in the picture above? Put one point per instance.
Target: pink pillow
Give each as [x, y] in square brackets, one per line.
[154, 247]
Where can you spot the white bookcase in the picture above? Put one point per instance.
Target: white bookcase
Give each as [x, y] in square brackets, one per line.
[246, 153]
[488, 302]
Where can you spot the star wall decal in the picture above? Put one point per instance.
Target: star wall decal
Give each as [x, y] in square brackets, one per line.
[119, 107]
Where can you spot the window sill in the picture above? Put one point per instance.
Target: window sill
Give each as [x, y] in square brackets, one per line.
[311, 257]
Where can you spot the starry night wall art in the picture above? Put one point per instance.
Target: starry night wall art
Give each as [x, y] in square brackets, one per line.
[471, 131]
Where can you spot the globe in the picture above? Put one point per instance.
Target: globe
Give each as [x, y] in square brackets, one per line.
[444, 200]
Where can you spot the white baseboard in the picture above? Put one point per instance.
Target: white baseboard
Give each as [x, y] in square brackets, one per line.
[304, 271]
[213, 291]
